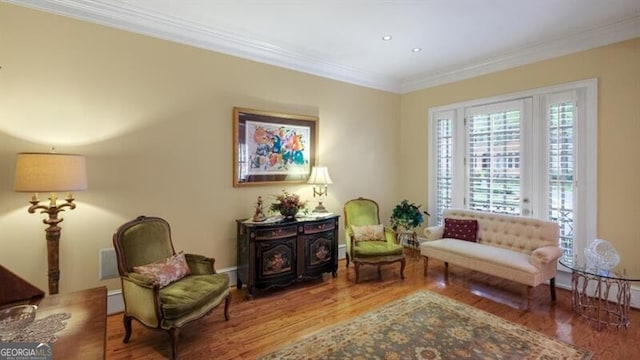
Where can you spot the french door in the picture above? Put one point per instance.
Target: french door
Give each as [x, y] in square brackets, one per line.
[496, 160]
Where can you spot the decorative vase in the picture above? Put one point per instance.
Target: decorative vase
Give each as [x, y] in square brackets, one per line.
[289, 213]
[601, 254]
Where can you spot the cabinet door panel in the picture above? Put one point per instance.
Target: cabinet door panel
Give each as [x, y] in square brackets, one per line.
[320, 251]
[276, 259]
[319, 254]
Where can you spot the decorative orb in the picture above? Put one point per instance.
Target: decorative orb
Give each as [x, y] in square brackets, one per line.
[15, 319]
[601, 255]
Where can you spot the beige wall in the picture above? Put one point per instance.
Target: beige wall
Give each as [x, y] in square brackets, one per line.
[154, 119]
[617, 68]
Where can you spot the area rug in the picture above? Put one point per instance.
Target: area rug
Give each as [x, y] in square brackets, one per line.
[425, 325]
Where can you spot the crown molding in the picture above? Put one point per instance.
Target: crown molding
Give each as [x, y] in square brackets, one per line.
[623, 30]
[135, 20]
[128, 18]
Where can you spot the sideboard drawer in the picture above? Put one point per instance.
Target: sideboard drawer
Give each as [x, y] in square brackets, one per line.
[320, 226]
[276, 233]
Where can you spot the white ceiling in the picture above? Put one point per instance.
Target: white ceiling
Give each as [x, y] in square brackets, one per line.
[342, 39]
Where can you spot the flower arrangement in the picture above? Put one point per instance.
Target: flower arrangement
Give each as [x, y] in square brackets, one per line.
[406, 216]
[288, 204]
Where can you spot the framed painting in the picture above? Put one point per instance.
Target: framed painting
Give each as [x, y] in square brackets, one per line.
[272, 148]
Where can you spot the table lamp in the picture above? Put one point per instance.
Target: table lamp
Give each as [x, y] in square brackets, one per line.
[320, 176]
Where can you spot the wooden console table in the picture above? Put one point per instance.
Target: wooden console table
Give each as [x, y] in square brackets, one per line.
[280, 253]
[84, 337]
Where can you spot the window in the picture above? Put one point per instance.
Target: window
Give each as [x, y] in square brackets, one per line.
[444, 161]
[531, 154]
[561, 168]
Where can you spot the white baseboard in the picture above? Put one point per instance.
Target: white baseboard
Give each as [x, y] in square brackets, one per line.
[115, 304]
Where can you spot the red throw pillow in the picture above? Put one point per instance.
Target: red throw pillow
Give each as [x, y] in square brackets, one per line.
[460, 229]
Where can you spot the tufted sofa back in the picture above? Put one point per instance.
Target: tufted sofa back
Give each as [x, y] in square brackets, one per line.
[518, 233]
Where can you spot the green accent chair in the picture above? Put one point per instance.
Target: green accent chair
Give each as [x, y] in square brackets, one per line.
[146, 240]
[361, 212]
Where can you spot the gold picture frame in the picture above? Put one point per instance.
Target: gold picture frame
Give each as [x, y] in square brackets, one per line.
[271, 148]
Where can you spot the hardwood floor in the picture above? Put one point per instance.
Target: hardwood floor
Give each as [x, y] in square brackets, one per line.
[277, 317]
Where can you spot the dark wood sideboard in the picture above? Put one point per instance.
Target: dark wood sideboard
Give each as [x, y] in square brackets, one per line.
[281, 253]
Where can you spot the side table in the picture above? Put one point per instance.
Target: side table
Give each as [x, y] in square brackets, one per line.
[83, 334]
[599, 295]
[409, 239]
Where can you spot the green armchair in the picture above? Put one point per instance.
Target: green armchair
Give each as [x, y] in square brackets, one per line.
[377, 247]
[191, 290]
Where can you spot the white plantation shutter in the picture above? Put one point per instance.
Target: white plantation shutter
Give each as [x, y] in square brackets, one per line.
[494, 157]
[561, 166]
[444, 164]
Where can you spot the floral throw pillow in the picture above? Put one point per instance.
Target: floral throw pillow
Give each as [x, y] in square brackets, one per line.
[368, 233]
[165, 271]
[460, 229]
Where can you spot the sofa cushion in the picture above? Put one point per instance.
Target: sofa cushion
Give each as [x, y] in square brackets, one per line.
[486, 253]
[192, 292]
[165, 271]
[368, 233]
[460, 229]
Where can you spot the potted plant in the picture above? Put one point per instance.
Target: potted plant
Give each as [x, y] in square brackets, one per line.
[406, 216]
[288, 204]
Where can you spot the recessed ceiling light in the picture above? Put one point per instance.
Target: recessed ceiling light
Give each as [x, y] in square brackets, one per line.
[387, 37]
[416, 50]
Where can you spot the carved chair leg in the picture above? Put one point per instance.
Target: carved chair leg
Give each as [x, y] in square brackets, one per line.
[227, 302]
[379, 273]
[446, 272]
[552, 288]
[347, 254]
[173, 334]
[426, 264]
[127, 328]
[403, 263]
[357, 268]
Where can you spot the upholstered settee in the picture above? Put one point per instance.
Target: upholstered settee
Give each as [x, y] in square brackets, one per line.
[516, 248]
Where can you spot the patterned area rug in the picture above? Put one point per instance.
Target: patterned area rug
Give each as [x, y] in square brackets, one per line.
[425, 325]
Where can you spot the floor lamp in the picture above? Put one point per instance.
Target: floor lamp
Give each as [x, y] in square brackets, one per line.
[51, 173]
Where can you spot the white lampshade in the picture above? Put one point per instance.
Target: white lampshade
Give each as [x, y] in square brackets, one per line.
[50, 172]
[319, 176]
